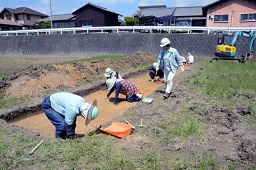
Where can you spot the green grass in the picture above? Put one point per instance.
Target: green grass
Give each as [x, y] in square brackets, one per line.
[217, 83]
[227, 78]
[102, 57]
[9, 102]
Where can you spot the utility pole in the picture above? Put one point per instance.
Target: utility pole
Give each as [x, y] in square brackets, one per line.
[51, 11]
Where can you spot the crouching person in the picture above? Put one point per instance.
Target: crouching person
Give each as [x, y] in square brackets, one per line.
[62, 109]
[124, 87]
[154, 73]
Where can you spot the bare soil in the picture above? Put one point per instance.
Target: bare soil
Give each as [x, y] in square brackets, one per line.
[228, 138]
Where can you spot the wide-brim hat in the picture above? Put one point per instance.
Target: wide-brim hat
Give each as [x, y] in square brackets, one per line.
[108, 72]
[112, 83]
[91, 112]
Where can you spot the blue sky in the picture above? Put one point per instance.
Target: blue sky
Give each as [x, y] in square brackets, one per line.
[123, 7]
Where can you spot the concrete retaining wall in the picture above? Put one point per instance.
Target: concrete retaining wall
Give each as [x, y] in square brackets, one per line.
[202, 45]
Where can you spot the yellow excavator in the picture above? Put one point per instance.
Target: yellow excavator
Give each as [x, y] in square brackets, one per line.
[226, 48]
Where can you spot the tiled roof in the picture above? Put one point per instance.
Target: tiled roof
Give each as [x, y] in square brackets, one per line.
[188, 11]
[24, 10]
[60, 17]
[175, 11]
[212, 3]
[9, 22]
[157, 12]
[96, 6]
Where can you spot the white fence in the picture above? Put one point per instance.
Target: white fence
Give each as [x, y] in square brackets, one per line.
[122, 29]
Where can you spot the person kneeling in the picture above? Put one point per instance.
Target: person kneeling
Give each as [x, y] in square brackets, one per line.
[124, 87]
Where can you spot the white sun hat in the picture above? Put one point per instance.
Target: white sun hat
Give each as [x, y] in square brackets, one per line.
[111, 82]
[89, 111]
[164, 42]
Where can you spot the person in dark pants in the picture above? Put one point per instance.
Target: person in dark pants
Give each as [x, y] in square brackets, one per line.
[124, 87]
[153, 73]
[62, 109]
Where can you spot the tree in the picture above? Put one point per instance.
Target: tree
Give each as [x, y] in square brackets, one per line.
[130, 21]
[137, 14]
[46, 24]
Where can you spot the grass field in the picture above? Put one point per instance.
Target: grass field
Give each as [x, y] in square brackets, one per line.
[182, 137]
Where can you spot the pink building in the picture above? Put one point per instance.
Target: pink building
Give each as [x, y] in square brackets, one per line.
[231, 13]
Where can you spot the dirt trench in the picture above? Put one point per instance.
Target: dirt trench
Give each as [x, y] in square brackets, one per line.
[108, 111]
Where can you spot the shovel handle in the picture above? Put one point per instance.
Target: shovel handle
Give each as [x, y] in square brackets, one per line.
[133, 127]
[35, 147]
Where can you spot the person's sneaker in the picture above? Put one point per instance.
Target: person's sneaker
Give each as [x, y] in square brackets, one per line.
[139, 95]
[166, 95]
[153, 80]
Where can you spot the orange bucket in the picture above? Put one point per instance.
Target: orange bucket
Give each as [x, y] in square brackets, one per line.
[117, 129]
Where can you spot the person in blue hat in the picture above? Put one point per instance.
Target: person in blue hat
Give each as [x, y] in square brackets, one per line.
[62, 109]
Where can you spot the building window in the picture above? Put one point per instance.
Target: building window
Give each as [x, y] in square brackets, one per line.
[8, 15]
[18, 17]
[28, 17]
[86, 23]
[248, 17]
[220, 18]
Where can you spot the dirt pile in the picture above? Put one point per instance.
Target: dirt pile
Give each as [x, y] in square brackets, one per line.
[36, 81]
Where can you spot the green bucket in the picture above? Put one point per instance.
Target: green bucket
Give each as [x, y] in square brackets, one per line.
[147, 100]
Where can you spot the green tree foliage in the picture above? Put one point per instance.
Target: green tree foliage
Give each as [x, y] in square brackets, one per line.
[46, 24]
[130, 21]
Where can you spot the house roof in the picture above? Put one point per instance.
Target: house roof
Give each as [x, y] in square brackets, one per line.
[152, 6]
[188, 11]
[175, 11]
[157, 12]
[9, 22]
[211, 3]
[218, 2]
[24, 10]
[96, 6]
[60, 17]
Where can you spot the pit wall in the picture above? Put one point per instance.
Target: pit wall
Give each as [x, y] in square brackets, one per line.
[93, 44]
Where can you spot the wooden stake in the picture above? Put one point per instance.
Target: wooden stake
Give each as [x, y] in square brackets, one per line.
[141, 125]
[35, 147]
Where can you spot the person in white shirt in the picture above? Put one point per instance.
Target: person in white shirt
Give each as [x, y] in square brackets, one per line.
[169, 60]
[190, 59]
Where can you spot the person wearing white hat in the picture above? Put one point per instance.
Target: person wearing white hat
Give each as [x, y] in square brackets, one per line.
[62, 109]
[190, 58]
[169, 60]
[124, 87]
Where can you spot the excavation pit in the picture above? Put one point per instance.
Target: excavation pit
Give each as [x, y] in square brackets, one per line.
[38, 121]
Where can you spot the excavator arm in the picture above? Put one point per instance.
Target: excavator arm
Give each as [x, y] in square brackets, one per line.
[238, 34]
[252, 38]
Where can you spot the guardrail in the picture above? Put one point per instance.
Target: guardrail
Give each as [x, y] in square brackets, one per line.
[121, 29]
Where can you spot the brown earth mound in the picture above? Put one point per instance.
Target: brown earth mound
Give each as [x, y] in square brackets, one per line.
[37, 81]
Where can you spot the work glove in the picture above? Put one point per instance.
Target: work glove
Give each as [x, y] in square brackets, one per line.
[182, 68]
